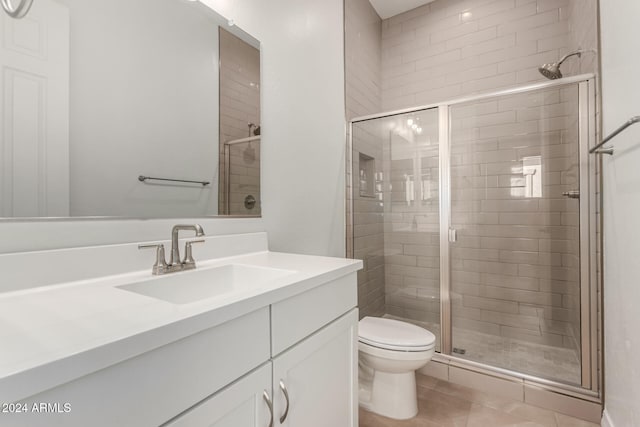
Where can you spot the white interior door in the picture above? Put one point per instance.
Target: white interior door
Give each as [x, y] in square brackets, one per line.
[34, 112]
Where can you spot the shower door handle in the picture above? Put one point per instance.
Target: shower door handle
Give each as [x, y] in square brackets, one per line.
[453, 235]
[573, 194]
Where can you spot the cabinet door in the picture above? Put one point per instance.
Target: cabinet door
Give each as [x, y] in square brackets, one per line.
[241, 404]
[319, 376]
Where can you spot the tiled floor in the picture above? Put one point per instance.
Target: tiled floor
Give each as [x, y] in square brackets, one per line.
[560, 364]
[449, 405]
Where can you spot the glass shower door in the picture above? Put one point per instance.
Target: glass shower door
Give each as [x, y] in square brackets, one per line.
[515, 263]
[395, 180]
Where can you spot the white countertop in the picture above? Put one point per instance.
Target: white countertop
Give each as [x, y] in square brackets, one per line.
[54, 334]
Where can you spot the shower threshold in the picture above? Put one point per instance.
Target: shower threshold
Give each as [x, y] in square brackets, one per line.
[552, 363]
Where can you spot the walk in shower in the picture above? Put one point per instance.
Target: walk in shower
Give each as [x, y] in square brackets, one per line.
[476, 219]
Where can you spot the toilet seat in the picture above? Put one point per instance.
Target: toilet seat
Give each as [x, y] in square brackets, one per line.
[389, 334]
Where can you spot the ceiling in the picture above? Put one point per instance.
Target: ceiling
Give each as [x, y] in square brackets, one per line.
[388, 8]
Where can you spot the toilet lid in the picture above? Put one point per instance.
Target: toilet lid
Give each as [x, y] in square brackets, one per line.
[394, 335]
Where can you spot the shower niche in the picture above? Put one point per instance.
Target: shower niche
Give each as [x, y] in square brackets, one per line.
[366, 175]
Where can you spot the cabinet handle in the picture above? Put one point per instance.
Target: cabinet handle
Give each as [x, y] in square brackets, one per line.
[267, 399]
[286, 397]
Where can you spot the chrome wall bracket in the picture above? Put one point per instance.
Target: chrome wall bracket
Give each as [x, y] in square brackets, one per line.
[606, 150]
[609, 150]
[19, 11]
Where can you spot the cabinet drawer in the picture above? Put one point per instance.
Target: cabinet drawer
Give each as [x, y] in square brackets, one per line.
[299, 316]
[152, 388]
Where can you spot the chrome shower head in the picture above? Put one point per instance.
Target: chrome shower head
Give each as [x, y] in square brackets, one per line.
[552, 71]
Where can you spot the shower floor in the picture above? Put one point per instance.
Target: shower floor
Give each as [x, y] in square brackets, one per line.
[554, 363]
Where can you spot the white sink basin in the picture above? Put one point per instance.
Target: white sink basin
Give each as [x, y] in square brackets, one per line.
[196, 285]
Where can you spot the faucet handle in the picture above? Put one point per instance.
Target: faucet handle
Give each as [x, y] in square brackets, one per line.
[188, 252]
[160, 266]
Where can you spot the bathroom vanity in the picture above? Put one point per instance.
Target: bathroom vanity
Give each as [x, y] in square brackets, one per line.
[248, 338]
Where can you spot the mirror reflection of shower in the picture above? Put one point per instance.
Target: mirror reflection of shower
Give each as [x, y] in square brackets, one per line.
[249, 153]
[239, 161]
[241, 177]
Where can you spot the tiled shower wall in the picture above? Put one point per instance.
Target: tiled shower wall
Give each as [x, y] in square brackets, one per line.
[583, 34]
[451, 48]
[239, 105]
[448, 49]
[363, 97]
[364, 52]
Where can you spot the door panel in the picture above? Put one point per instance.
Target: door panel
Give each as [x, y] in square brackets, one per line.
[396, 202]
[34, 140]
[515, 267]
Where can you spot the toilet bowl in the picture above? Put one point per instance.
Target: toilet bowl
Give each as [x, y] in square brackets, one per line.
[390, 351]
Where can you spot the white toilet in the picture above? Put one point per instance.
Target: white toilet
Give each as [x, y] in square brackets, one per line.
[390, 352]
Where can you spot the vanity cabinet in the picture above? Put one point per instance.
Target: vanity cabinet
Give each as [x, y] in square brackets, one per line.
[318, 373]
[313, 368]
[300, 350]
[154, 387]
[315, 382]
[314, 385]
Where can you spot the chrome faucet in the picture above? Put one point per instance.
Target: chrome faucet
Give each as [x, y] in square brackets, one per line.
[175, 252]
[175, 263]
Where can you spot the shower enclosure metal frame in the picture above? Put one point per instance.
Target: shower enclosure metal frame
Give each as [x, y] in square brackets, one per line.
[588, 213]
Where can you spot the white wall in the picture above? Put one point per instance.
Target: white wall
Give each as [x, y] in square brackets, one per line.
[303, 139]
[303, 118]
[621, 212]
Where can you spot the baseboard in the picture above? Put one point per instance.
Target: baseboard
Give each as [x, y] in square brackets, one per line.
[606, 419]
[518, 389]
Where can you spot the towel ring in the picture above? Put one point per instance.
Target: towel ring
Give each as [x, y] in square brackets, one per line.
[17, 12]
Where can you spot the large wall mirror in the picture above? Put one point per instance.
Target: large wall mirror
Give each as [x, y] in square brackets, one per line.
[128, 108]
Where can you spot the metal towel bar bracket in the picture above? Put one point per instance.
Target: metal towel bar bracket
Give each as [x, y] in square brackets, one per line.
[143, 178]
[609, 150]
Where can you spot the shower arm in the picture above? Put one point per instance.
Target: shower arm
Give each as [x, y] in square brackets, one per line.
[630, 122]
[17, 12]
[569, 55]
